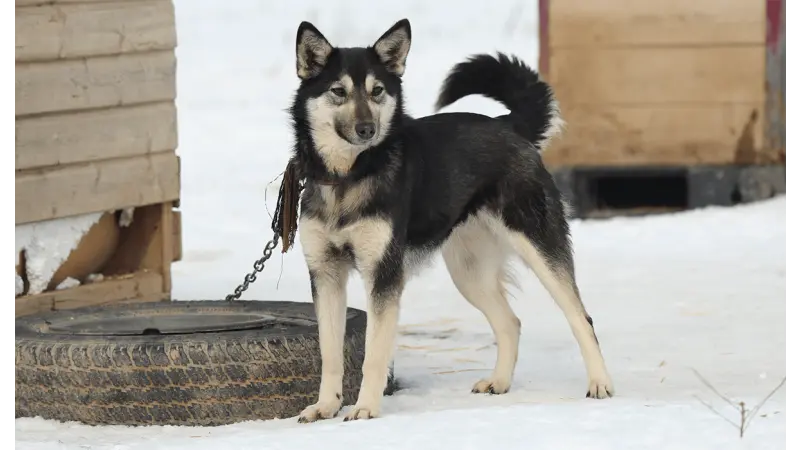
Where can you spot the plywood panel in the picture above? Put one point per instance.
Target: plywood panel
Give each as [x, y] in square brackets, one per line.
[106, 185]
[658, 134]
[94, 135]
[660, 75]
[94, 82]
[70, 31]
[603, 23]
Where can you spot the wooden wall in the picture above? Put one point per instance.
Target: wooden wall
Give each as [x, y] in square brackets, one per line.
[657, 82]
[96, 130]
[96, 125]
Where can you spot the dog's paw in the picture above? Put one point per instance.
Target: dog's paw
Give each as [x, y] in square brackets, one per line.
[319, 411]
[361, 413]
[600, 388]
[491, 386]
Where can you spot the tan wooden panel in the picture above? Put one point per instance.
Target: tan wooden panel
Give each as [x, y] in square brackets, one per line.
[133, 288]
[655, 75]
[95, 135]
[70, 31]
[95, 82]
[656, 22]
[101, 186]
[657, 134]
[57, 2]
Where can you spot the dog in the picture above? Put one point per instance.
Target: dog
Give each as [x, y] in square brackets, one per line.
[384, 191]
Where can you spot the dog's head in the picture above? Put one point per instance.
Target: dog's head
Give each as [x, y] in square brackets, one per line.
[350, 97]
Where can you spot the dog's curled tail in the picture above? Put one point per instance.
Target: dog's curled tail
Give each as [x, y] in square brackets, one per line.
[534, 109]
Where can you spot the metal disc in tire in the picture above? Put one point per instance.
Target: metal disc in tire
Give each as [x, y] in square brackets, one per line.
[176, 363]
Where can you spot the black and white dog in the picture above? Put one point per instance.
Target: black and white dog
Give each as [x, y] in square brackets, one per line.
[384, 191]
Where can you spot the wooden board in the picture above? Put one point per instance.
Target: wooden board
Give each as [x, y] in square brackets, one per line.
[658, 75]
[611, 23]
[147, 244]
[94, 135]
[177, 236]
[106, 185]
[43, 87]
[93, 29]
[658, 134]
[138, 287]
[62, 2]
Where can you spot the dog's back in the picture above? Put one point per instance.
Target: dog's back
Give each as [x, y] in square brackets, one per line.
[466, 162]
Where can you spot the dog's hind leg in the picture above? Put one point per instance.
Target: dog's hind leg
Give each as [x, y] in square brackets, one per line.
[476, 260]
[544, 246]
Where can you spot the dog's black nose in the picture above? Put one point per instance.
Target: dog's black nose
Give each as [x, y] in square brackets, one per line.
[365, 130]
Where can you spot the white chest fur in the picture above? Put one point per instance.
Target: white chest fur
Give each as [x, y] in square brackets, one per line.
[368, 237]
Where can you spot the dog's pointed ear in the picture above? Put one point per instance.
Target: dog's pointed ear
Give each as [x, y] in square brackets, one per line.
[392, 48]
[313, 51]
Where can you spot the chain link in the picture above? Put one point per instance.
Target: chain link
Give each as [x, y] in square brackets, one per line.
[258, 266]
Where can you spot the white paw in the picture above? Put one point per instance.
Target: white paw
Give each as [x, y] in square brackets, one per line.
[361, 412]
[600, 387]
[320, 410]
[491, 386]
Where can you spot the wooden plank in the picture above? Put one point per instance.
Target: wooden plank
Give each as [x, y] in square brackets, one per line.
[141, 243]
[62, 2]
[93, 29]
[133, 288]
[177, 236]
[94, 82]
[102, 186]
[604, 23]
[657, 135]
[166, 246]
[94, 135]
[661, 75]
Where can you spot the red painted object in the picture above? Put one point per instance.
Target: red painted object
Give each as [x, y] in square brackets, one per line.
[774, 13]
[544, 37]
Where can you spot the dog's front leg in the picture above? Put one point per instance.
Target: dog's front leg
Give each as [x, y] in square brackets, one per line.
[329, 292]
[384, 283]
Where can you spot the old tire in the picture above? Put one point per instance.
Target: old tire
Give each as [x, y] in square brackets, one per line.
[176, 363]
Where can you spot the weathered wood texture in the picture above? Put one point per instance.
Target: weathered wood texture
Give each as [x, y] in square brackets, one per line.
[50, 193]
[138, 287]
[656, 82]
[104, 81]
[95, 135]
[93, 29]
[96, 125]
[668, 23]
[646, 134]
[96, 130]
[63, 2]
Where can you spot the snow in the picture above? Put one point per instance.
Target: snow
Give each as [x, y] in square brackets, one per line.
[702, 290]
[68, 283]
[47, 245]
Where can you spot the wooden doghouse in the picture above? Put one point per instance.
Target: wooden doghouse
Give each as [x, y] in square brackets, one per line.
[96, 131]
[674, 93]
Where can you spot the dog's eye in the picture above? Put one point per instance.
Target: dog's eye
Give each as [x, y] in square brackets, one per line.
[377, 90]
[339, 92]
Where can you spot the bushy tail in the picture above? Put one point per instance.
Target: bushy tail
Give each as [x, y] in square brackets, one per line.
[534, 109]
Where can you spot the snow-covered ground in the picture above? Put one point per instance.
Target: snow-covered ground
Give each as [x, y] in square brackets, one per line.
[702, 290]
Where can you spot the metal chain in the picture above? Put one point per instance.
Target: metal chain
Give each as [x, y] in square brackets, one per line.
[258, 266]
